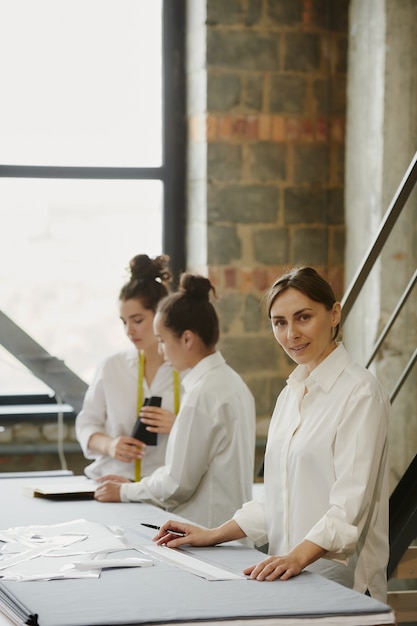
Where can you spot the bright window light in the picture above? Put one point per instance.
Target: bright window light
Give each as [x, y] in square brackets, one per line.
[81, 85]
[63, 258]
[81, 82]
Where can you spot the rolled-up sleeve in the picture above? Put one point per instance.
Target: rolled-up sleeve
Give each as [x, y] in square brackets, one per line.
[251, 519]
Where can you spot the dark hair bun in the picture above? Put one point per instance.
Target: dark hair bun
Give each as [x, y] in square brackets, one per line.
[197, 287]
[143, 268]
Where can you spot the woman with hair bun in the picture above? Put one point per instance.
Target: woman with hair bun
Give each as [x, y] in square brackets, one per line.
[125, 379]
[209, 463]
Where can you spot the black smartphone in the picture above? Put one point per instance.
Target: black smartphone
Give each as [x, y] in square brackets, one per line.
[139, 430]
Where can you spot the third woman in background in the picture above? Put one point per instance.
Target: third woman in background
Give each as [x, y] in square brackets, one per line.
[123, 381]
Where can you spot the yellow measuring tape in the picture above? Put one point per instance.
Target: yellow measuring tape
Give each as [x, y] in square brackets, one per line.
[141, 375]
[176, 376]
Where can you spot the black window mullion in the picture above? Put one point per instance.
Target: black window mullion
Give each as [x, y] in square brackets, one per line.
[174, 134]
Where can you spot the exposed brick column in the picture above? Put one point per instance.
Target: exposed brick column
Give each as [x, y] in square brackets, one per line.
[266, 120]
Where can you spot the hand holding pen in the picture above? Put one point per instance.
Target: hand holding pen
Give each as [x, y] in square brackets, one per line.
[175, 534]
[171, 531]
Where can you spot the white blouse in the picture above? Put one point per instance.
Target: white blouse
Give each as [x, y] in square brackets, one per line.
[326, 474]
[209, 466]
[110, 407]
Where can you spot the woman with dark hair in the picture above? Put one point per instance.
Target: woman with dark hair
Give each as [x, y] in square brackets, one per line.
[209, 462]
[325, 501]
[124, 380]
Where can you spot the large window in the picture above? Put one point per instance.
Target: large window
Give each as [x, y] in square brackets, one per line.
[81, 82]
[87, 174]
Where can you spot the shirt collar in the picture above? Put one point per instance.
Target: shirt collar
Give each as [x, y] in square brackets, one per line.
[199, 370]
[132, 355]
[325, 374]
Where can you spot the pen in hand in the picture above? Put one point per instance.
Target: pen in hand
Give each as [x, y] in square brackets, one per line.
[173, 532]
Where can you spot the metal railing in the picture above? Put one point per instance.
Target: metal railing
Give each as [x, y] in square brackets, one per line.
[388, 222]
[403, 500]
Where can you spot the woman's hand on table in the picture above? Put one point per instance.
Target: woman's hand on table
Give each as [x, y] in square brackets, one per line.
[288, 565]
[109, 489]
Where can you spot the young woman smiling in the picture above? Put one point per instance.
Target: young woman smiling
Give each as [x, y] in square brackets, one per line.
[325, 501]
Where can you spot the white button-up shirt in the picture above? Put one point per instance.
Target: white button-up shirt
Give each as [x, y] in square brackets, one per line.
[110, 407]
[326, 475]
[208, 472]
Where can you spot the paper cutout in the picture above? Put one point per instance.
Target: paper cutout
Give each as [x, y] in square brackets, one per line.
[49, 552]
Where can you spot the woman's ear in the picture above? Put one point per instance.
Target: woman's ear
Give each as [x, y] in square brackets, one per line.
[336, 314]
[187, 337]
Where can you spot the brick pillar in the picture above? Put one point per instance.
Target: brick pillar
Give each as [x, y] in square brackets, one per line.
[266, 158]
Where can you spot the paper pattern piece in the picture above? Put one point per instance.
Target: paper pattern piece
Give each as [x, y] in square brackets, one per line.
[90, 564]
[190, 563]
[50, 552]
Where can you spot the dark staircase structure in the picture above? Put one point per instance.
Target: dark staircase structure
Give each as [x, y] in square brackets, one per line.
[403, 500]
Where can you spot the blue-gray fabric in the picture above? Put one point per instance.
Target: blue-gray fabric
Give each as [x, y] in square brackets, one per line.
[164, 594]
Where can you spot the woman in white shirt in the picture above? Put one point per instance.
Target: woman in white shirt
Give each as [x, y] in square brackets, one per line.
[325, 501]
[110, 408]
[209, 464]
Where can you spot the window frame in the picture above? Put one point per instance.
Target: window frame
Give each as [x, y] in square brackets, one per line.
[172, 171]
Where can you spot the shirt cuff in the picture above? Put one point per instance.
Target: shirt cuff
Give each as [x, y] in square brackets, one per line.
[127, 492]
[335, 536]
[253, 530]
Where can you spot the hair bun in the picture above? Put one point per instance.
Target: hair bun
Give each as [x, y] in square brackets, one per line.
[197, 287]
[143, 268]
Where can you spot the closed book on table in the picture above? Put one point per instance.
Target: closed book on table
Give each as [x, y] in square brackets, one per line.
[65, 490]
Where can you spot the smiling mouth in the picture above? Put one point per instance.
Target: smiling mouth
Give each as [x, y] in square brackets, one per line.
[299, 348]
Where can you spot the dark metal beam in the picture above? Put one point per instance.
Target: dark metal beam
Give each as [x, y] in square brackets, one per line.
[67, 386]
[403, 516]
[394, 210]
[84, 173]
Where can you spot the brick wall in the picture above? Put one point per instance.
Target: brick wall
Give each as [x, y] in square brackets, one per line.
[266, 160]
